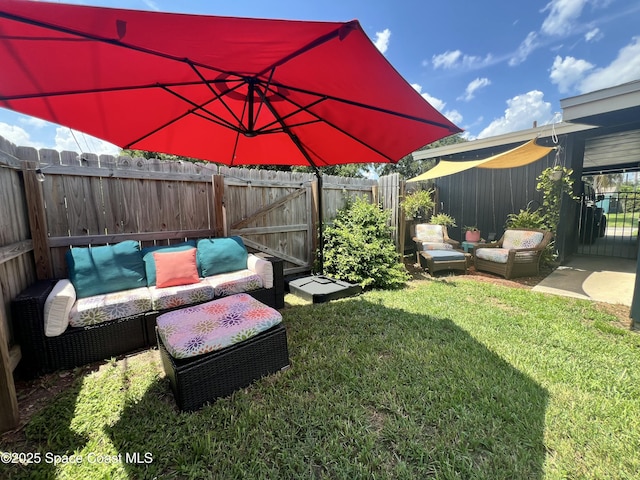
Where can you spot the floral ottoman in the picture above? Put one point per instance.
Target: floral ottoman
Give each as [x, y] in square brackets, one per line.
[212, 349]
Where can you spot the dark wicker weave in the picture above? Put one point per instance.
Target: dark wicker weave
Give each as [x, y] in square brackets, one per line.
[522, 262]
[435, 265]
[79, 346]
[198, 380]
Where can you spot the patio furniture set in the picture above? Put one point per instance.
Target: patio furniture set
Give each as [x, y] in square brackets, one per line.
[517, 253]
[214, 306]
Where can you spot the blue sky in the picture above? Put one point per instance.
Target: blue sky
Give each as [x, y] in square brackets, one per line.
[491, 66]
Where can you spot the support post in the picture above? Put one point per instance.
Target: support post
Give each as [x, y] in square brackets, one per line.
[9, 415]
[635, 302]
[218, 205]
[37, 221]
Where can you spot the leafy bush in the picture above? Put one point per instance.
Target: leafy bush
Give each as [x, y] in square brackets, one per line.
[358, 247]
[526, 219]
[418, 203]
[443, 219]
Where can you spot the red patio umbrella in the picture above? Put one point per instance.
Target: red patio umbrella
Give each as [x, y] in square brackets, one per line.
[231, 90]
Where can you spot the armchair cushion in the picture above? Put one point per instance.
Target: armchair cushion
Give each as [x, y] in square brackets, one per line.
[521, 239]
[427, 232]
[436, 246]
[497, 255]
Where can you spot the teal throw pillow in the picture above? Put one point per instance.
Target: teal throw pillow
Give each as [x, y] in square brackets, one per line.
[106, 269]
[221, 255]
[150, 263]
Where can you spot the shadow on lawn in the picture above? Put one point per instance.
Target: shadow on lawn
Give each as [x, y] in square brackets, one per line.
[51, 440]
[372, 391]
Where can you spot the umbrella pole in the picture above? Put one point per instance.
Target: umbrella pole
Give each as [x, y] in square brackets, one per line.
[320, 222]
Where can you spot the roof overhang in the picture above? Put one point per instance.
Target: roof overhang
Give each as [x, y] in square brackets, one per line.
[614, 106]
[499, 143]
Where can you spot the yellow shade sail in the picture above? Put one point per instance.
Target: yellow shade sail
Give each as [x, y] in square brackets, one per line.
[517, 157]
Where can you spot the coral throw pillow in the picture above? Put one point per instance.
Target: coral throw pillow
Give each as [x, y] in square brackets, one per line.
[176, 268]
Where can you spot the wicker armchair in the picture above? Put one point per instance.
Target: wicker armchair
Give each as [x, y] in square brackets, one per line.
[516, 254]
[429, 236]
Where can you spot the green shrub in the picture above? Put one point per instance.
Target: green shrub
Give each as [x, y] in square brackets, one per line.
[418, 204]
[358, 247]
[443, 219]
[526, 219]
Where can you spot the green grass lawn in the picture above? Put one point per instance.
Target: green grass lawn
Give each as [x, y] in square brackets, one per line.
[446, 379]
[621, 220]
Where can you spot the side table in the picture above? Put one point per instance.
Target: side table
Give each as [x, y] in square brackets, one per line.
[469, 247]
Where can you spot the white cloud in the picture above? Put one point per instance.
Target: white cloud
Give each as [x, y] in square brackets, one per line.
[151, 5]
[473, 86]
[562, 21]
[571, 74]
[625, 68]
[433, 101]
[65, 140]
[527, 46]
[17, 135]
[521, 112]
[447, 59]
[562, 16]
[456, 59]
[34, 122]
[567, 72]
[454, 116]
[382, 40]
[594, 34]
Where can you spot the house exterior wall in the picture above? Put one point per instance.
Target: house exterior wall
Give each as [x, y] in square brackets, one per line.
[485, 197]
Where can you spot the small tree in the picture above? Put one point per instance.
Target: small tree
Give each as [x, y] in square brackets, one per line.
[358, 247]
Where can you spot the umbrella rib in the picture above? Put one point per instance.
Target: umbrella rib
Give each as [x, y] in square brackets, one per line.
[369, 107]
[342, 30]
[213, 117]
[294, 138]
[331, 124]
[95, 90]
[218, 97]
[110, 41]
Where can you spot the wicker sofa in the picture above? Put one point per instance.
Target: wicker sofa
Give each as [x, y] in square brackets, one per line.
[109, 304]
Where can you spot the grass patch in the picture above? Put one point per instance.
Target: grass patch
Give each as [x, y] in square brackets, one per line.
[444, 379]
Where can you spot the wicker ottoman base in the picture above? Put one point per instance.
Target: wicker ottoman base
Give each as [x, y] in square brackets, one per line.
[198, 380]
[430, 261]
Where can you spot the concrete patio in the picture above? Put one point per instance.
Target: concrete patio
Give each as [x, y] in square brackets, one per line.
[602, 279]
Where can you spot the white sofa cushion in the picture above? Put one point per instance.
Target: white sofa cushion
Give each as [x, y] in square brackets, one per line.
[57, 307]
[109, 306]
[262, 267]
[231, 283]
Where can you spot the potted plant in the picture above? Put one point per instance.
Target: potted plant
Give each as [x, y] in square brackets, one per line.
[443, 219]
[418, 204]
[471, 233]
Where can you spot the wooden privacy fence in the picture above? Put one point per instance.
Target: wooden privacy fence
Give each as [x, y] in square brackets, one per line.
[87, 199]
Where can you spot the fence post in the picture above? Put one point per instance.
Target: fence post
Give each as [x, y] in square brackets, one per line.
[9, 415]
[37, 221]
[219, 226]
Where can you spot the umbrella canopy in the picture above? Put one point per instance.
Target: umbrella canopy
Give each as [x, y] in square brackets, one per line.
[517, 157]
[236, 91]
